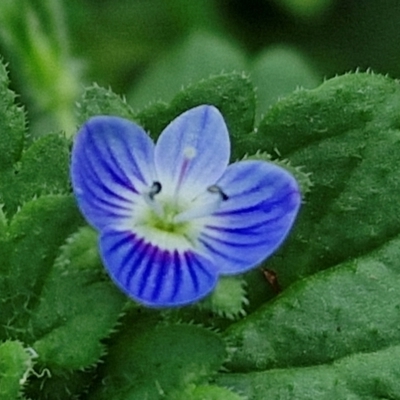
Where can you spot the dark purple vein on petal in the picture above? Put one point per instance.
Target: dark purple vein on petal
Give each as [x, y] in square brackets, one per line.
[192, 273]
[122, 171]
[101, 201]
[177, 270]
[250, 229]
[236, 244]
[265, 204]
[160, 277]
[98, 181]
[199, 266]
[212, 249]
[109, 170]
[145, 273]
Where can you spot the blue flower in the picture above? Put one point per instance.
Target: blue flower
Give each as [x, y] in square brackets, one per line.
[173, 216]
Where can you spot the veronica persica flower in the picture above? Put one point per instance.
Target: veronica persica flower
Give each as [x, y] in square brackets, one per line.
[174, 216]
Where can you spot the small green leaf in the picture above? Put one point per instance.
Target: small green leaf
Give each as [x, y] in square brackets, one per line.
[154, 363]
[100, 101]
[228, 299]
[15, 366]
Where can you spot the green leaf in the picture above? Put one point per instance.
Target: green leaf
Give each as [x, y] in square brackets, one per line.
[349, 309]
[228, 299]
[346, 134]
[233, 94]
[198, 57]
[79, 306]
[12, 124]
[68, 386]
[100, 101]
[34, 236]
[44, 169]
[15, 366]
[238, 114]
[372, 376]
[154, 363]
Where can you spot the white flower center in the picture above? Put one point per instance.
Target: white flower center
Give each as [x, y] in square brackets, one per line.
[173, 223]
[169, 220]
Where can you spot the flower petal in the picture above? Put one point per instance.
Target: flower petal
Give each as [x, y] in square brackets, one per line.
[263, 201]
[193, 151]
[112, 160]
[152, 276]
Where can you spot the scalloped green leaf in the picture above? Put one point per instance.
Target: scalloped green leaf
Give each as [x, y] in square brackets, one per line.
[12, 124]
[43, 169]
[97, 100]
[228, 299]
[349, 309]
[35, 235]
[155, 363]
[15, 365]
[79, 307]
[346, 133]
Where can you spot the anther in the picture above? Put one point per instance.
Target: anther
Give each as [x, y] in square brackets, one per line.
[217, 189]
[154, 189]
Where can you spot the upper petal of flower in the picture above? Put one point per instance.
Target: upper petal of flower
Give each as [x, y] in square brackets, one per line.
[153, 276]
[193, 151]
[112, 161]
[263, 201]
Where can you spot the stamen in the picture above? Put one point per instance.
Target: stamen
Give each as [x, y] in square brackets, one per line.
[155, 189]
[209, 202]
[217, 189]
[148, 197]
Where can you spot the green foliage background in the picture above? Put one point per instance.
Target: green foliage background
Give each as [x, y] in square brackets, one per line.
[328, 328]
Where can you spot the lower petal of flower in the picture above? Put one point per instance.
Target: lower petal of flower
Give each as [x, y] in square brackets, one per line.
[153, 276]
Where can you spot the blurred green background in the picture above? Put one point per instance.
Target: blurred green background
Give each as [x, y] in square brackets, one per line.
[148, 49]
